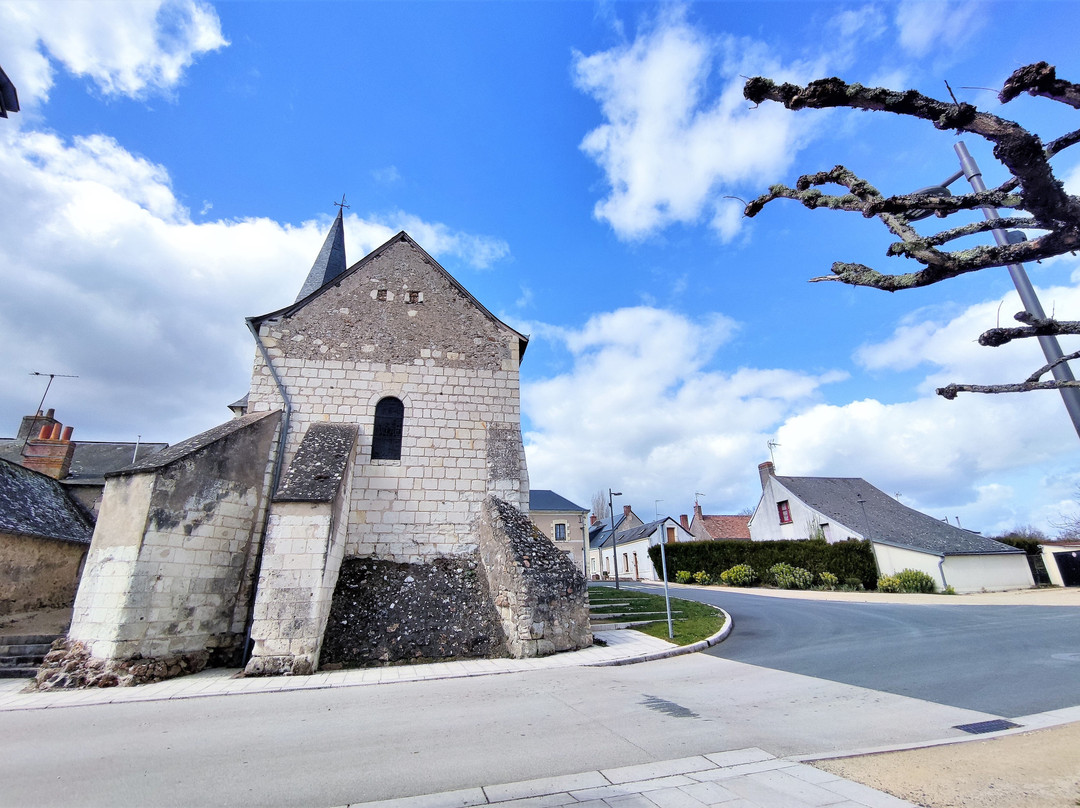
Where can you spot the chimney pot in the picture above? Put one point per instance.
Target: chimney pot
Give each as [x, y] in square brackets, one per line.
[50, 413]
[55, 433]
[66, 437]
[46, 430]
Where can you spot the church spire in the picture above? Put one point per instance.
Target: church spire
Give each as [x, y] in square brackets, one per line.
[331, 260]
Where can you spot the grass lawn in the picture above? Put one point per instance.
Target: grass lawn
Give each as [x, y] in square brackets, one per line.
[690, 621]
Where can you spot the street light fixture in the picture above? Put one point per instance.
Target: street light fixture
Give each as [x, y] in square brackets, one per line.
[614, 542]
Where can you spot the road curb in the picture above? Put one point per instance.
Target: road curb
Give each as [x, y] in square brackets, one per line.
[678, 650]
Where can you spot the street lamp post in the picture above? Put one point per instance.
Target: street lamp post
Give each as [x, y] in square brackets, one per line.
[614, 542]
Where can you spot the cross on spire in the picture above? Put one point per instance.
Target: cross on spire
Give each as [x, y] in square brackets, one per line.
[341, 205]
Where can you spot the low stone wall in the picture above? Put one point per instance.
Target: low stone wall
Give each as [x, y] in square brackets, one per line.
[386, 613]
[69, 664]
[541, 597]
[38, 573]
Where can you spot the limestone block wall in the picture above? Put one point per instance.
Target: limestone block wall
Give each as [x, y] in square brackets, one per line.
[541, 597]
[302, 553]
[175, 538]
[396, 324]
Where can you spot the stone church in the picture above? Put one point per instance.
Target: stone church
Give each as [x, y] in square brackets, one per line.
[367, 504]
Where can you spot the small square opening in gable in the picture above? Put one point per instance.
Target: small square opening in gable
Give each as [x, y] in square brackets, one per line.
[414, 297]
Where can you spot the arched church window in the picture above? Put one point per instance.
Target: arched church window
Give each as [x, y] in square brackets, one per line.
[386, 434]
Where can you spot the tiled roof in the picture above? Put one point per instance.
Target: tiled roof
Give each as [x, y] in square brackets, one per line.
[601, 531]
[726, 527]
[330, 262]
[37, 505]
[541, 499]
[886, 520]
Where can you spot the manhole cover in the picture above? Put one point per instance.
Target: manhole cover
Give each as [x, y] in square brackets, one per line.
[979, 727]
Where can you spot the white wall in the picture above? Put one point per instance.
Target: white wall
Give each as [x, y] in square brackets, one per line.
[964, 573]
[765, 524]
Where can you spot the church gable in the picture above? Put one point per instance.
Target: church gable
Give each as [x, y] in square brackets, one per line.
[396, 306]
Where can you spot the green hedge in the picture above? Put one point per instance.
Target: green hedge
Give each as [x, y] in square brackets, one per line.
[846, 559]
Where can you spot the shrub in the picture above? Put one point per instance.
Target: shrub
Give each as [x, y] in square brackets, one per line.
[703, 578]
[786, 576]
[739, 575]
[949, 590]
[828, 580]
[683, 577]
[915, 581]
[888, 583]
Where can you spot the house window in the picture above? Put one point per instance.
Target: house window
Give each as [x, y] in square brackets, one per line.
[625, 562]
[386, 434]
[415, 297]
[784, 511]
[560, 531]
[381, 294]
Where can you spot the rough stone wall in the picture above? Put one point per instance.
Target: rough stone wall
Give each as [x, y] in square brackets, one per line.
[175, 538]
[541, 597]
[397, 325]
[37, 573]
[387, 613]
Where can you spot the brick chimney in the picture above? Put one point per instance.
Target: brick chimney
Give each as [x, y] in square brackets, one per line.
[626, 511]
[592, 519]
[765, 471]
[685, 522]
[51, 451]
[31, 424]
[697, 512]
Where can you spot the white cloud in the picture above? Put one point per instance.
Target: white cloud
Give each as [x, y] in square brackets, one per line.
[669, 151]
[641, 410]
[126, 47]
[938, 27]
[106, 276]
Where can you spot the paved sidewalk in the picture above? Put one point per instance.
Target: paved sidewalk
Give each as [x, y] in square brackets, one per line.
[743, 778]
[623, 647]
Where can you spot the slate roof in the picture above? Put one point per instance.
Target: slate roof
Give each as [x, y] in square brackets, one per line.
[634, 533]
[91, 460]
[599, 532]
[541, 499]
[316, 472]
[37, 505]
[723, 526]
[330, 262]
[178, 451]
[890, 522]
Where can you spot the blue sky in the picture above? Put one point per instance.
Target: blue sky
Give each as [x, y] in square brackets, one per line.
[572, 164]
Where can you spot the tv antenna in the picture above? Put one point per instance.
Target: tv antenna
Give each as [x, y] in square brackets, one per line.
[772, 445]
[42, 402]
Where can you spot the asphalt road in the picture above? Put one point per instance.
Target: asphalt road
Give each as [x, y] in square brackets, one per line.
[1005, 660]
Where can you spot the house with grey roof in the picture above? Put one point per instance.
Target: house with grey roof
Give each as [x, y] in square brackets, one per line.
[842, 508]
[628, 550]
[600, 530]
[561, 521]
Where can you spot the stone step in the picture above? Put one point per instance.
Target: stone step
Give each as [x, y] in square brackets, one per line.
[612, 615]
[22, 672]
[35, 649]
[615, 626]
[28, 639]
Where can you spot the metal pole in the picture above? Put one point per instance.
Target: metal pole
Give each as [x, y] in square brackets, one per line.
[614, 542]
[667, 600]
[1050, 347]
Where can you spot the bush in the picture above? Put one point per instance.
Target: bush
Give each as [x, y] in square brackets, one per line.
[786, 576]
[683, 577]
[828, 580]
[702, 578]
[888, 583]
[845, 559]
[915, 581]
[739, 575]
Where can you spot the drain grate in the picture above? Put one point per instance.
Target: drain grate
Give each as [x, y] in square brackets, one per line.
[979, 727]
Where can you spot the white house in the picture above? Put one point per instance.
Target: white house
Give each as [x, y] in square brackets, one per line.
[840, 508]
[630, 548]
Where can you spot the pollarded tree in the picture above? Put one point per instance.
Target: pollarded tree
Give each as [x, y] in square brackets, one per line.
[1040, 206]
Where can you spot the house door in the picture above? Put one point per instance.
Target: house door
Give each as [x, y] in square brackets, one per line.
[1069, 567]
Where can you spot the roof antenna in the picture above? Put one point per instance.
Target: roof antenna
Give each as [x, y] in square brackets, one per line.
[772, 445]
[696, 495]
[42, 402]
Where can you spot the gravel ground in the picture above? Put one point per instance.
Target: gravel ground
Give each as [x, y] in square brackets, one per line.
[1031, 770]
